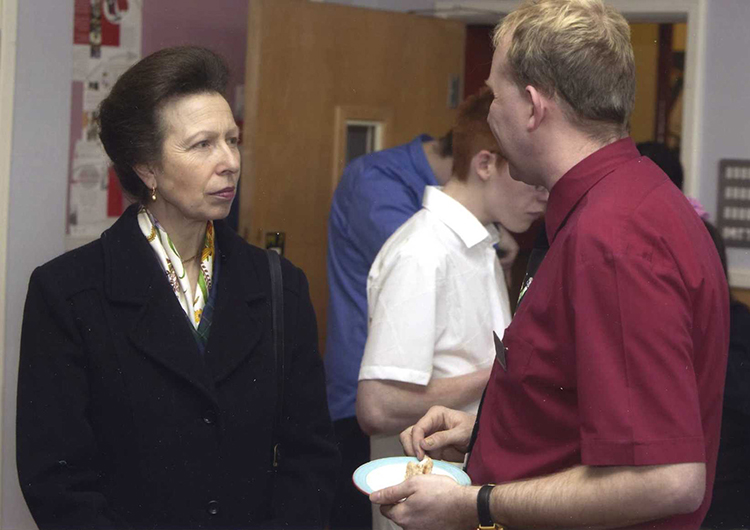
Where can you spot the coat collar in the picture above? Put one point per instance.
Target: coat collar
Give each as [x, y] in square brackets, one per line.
[130, 268]
[133, 277]
[128, 273]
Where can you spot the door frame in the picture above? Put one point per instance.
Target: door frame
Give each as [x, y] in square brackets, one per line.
[8, 25]
[693, 12]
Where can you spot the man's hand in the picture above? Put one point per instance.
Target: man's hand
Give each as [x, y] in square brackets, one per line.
[429, 501]
[442, 433]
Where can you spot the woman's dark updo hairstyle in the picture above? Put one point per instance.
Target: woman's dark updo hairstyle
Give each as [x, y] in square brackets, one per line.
[129, 118]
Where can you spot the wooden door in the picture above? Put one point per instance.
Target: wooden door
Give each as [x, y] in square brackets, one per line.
[310, 67]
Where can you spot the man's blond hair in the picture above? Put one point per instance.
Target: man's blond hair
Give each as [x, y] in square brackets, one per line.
[579, 52]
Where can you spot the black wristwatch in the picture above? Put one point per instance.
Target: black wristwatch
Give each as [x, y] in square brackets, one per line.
[483, 509]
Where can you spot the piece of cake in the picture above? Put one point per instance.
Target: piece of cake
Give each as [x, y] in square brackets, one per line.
[419, 468]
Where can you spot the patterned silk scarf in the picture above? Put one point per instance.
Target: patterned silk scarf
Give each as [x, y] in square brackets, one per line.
[171, 264]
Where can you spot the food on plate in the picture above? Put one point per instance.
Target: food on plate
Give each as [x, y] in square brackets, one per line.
[419, 468]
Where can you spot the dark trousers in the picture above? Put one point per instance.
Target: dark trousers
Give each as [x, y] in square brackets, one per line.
[351, 508]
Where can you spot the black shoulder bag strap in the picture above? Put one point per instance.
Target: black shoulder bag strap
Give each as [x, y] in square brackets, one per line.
[277, 309]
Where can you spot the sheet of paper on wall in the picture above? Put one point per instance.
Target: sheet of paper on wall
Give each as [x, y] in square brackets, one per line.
[100, 79]
[105, 30]
[88, 190]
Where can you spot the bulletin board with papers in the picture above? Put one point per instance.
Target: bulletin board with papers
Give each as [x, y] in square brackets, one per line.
[106, 42]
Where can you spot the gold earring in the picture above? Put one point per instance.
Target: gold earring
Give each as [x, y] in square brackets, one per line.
[153, 194]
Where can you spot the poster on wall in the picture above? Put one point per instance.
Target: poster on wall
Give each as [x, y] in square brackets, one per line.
[106, 42]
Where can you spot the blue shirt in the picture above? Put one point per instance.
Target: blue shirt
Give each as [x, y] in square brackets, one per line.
[377, 194]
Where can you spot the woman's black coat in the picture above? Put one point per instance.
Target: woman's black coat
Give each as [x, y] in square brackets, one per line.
[123, 424]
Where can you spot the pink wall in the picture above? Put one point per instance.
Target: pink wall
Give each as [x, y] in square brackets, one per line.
[220, 25]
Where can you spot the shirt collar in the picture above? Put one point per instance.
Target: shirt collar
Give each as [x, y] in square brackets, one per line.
[574, 184]
[456, 217]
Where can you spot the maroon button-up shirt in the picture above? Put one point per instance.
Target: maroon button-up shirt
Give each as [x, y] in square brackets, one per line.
[617, 354]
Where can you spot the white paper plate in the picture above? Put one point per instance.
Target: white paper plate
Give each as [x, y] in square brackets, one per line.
[387, 472]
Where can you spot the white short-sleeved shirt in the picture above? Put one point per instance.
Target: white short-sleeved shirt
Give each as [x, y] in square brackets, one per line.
[435, 294]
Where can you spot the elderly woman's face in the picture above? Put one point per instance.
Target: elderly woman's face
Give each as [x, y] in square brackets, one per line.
[200, 164]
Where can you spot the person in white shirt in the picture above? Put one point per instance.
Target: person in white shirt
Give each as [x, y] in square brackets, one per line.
[436, 291]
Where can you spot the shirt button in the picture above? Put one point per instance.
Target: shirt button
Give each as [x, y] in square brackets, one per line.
[209, 417]
[212, 507]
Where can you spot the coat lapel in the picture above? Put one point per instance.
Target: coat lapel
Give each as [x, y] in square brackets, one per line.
[163, 333]
[241, 312]
[161, 330]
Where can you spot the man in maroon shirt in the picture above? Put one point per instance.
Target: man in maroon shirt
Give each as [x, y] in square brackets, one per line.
[604, 404]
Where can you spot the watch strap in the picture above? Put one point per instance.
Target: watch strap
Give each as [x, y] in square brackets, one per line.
[483, 509]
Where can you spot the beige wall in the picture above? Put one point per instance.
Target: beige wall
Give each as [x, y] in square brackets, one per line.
[645, 39]
[743, 295]
[679, 37]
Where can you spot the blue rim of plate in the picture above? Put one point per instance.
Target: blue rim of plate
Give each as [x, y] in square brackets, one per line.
[359, 477]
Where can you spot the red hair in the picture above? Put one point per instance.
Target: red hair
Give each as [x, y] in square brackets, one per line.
[472, 133]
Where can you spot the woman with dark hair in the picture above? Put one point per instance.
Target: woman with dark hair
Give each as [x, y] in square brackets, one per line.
[157, 385]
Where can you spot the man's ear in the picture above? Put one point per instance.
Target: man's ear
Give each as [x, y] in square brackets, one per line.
[539, 108]
[483, 164]
[147, 174]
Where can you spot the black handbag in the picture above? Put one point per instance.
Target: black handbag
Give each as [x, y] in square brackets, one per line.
[277, 311]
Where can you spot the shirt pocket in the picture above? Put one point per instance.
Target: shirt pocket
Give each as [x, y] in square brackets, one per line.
[518, 355]
[507, 390]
